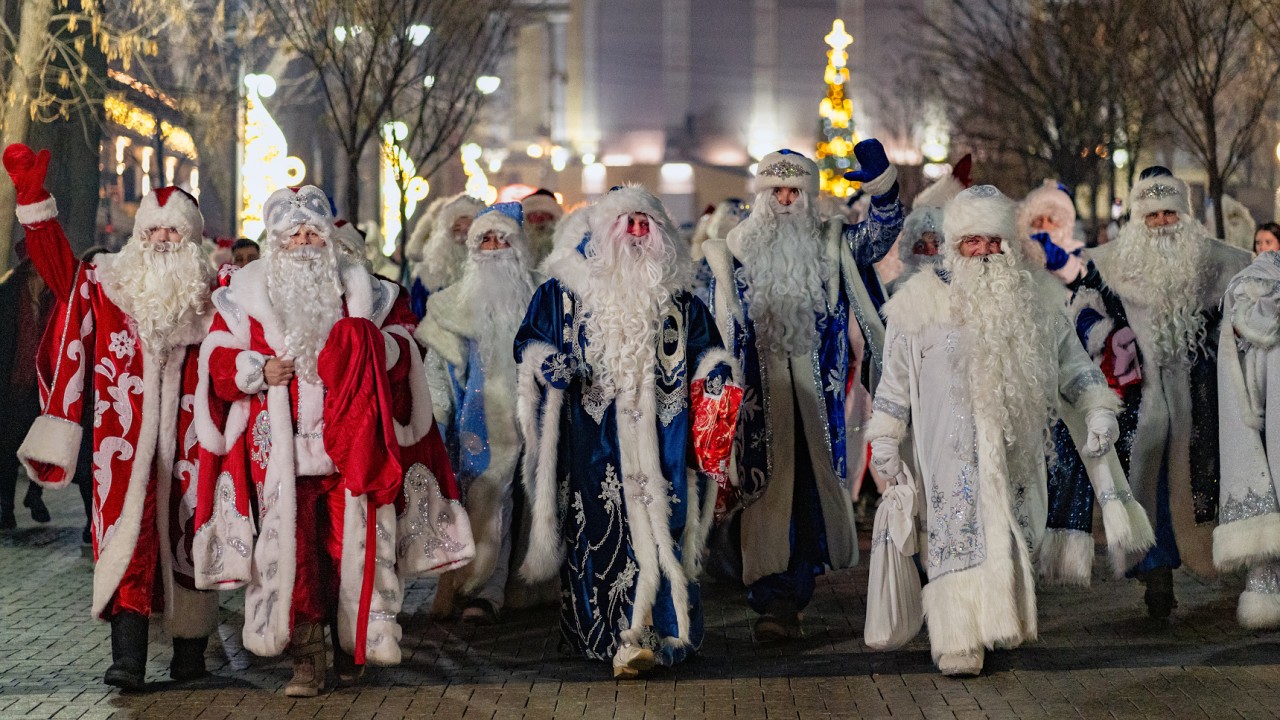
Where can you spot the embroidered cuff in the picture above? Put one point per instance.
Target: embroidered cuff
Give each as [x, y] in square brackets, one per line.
[249, 377]
[559, 368]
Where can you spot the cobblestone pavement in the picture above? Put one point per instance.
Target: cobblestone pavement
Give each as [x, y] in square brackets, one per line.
[1097, 657]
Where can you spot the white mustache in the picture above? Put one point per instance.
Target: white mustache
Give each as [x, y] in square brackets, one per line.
[162, 247]
[303, 253]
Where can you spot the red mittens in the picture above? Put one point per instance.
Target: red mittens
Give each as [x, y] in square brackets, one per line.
[27, 169]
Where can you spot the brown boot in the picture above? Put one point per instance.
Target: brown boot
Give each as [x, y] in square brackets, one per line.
[307, 648]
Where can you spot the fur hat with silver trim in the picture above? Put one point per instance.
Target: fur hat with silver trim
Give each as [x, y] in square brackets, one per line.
[787, 168]
[169, 207]
[981, 210]
[1158, 190]
[506, 219]
[287, 209]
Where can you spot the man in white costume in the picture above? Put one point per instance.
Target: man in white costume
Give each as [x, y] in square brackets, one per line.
[977, 361]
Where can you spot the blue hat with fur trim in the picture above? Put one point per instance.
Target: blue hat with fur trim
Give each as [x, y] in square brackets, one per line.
[513, 210]
[506, 219]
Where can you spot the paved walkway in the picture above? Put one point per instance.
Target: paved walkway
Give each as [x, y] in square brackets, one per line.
[1097, 657]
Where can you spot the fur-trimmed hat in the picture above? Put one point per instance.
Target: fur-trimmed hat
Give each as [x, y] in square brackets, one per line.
[921, 220]
[787, 168]
[542, 200]
[506, 219]
[169, 207]
[627, 199]
[462, 205]
[289, 208]
[1050, 200]
[1156, 193]
[981, 210]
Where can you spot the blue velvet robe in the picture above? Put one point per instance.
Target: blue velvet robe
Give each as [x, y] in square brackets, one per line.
[597, 506]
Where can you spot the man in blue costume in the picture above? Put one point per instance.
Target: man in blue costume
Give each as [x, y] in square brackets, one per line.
[1148, 311]
[616, 360]
[469, 328]
[796, 298]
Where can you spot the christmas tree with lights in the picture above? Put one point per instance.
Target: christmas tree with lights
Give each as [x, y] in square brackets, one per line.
[835, 149]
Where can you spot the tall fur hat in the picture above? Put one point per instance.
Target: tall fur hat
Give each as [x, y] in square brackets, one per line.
[542, 200]
[921, 220]
[506, 219]
[981, 210]
[169, 207]
[459, 206]
[289, 208]
[788, 168]
[1156, 193]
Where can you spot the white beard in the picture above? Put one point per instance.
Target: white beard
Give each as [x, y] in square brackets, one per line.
[306, 292]
[442, 259]
[164, 291]
[1009, 356]
[495, 290]
[541, 237]
[1160, 268]
[783, 259]
[624, 296]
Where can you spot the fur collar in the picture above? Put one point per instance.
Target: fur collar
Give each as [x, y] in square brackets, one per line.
[923, 301]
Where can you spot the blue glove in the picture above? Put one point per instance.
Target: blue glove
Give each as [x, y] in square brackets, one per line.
[1054, 256]
[874, 172]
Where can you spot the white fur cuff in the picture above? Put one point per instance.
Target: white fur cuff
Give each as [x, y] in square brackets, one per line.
[52, 441]
[1098, 396]
[883, 182]
[1247, 542]
[1258, 611]
[249, 377]
[716, 356]
[883, 424]
[39, 212]
[1128, 532]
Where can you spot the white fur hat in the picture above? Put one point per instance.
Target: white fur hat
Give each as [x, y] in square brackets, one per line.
[921, 220]
[1161, 192]
[169, 207]
[981, 210]
[625, 200]
[1048, 200]
[461, 205]
[938, 193]
[787, 168]
[289, 208]
[542, 201]
[506, 219]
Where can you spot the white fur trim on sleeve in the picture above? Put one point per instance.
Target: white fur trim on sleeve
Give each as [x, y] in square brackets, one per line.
[1247, 542]
[1128, 532]
[39, 212]
[1088, 298]
[883, 424]
[52, 441]
[1099, 396]
[249, 372]
[714, 357]
[883, 182]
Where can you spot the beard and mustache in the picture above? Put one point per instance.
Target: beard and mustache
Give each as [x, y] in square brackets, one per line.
[164, 287]
[304, 287]
[1008, 353]
[783, 261]
[496, 287]
[1161, 267]
[630, 283]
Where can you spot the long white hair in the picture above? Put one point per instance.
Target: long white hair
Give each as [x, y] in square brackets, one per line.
[629, 283]
[306, 291]
[164, 287]
[1161, 268]
[783, 258]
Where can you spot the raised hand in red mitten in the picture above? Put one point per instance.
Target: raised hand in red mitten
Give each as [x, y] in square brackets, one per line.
[27, 170]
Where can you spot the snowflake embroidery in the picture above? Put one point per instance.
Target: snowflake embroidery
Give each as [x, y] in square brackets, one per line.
[121, 344]
[835, 383]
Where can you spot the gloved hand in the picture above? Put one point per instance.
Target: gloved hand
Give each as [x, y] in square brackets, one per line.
[1103, 431]
[874, 172]
[1054, 256]
[27, 170]
[885, 459]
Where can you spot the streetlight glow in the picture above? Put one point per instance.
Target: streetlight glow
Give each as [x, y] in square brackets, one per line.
[488, 84]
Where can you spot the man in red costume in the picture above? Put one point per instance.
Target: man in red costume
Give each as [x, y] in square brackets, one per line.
[314, 411]
[140, 314]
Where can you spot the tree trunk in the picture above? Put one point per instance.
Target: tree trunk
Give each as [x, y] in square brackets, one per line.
[353, 187]
[32, 34]
[1216, 187]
